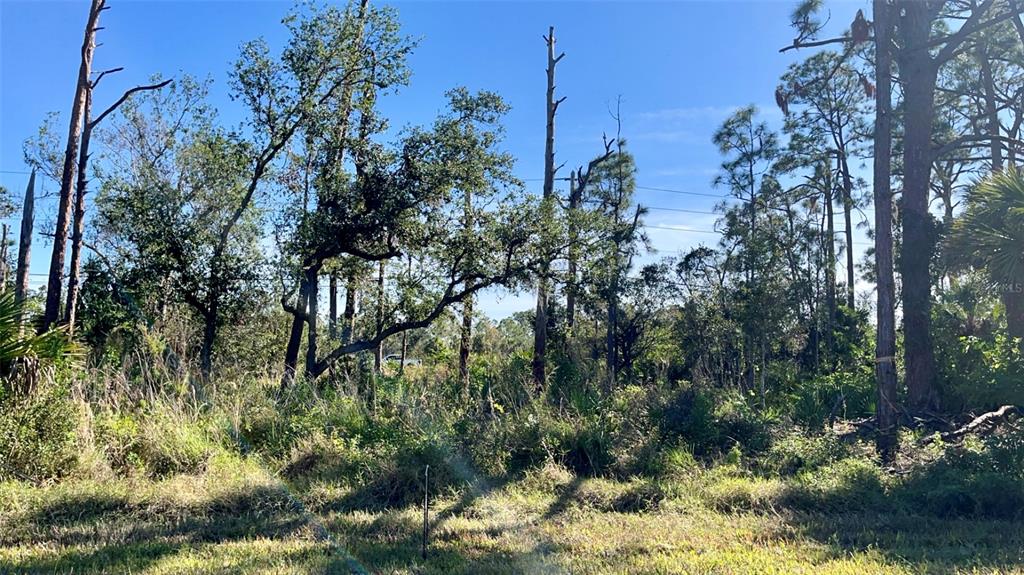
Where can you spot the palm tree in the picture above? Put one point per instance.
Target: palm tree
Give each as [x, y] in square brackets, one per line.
[23, 353]
[990, 236]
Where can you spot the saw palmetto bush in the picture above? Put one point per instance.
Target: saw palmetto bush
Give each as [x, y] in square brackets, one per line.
[38, 418]
[989, 236]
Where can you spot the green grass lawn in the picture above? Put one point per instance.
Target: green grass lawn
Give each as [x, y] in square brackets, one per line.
[236, 517]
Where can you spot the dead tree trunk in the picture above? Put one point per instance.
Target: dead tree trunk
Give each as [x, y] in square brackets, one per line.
[55, 282]
[540, 325]
[25, 241]
[885, 335]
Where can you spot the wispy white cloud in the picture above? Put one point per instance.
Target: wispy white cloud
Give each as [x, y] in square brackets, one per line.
[706, 113]
[664, 136]
[682, 171]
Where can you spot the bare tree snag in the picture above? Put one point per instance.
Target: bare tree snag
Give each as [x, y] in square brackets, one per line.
[55, 282]
[25, 241]
[540, 326]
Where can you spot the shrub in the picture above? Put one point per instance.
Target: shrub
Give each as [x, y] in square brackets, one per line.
[38, 433]
[843, 394]
[796, 453]
[975, 479]
[159, 440]
[846, 485]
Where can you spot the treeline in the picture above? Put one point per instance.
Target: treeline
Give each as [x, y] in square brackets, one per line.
[220, 243]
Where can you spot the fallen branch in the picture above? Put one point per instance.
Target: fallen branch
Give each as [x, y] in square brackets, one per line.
[983, 423]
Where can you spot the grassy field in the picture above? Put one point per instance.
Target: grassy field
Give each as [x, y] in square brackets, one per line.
[236, 517]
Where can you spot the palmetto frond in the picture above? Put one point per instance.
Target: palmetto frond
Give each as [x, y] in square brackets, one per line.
[990, 233]
[20, 345]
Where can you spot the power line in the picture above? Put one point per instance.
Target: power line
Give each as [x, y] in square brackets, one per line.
[681, 229]
[670, 191]
[680, 210]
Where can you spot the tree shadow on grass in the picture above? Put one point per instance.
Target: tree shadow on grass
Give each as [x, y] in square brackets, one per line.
[938, 520]
[97, 533]
[392, 541]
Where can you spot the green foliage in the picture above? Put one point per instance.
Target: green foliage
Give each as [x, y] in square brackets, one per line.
[795, 453]
[710, 423]
[981, 372]
[838, 395]
[39, 433]
[156, 440]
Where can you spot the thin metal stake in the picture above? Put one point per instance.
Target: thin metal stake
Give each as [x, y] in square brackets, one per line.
[426, 509]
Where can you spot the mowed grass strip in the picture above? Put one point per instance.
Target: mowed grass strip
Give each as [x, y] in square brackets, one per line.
[237, 518]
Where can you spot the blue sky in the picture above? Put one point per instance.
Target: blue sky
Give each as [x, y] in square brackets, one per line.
[680, 67]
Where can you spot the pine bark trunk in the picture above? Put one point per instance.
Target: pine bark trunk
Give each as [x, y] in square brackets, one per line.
[78, 228]
[918, 74]
[885, 309]
[55, 282]
[848, 225]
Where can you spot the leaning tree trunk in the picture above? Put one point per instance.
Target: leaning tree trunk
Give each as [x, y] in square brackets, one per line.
[885, 334]
[291, 353]
[918, 73]
[55, 282]
[540, 324]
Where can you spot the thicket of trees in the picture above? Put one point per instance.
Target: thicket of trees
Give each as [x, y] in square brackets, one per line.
[222, 241]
